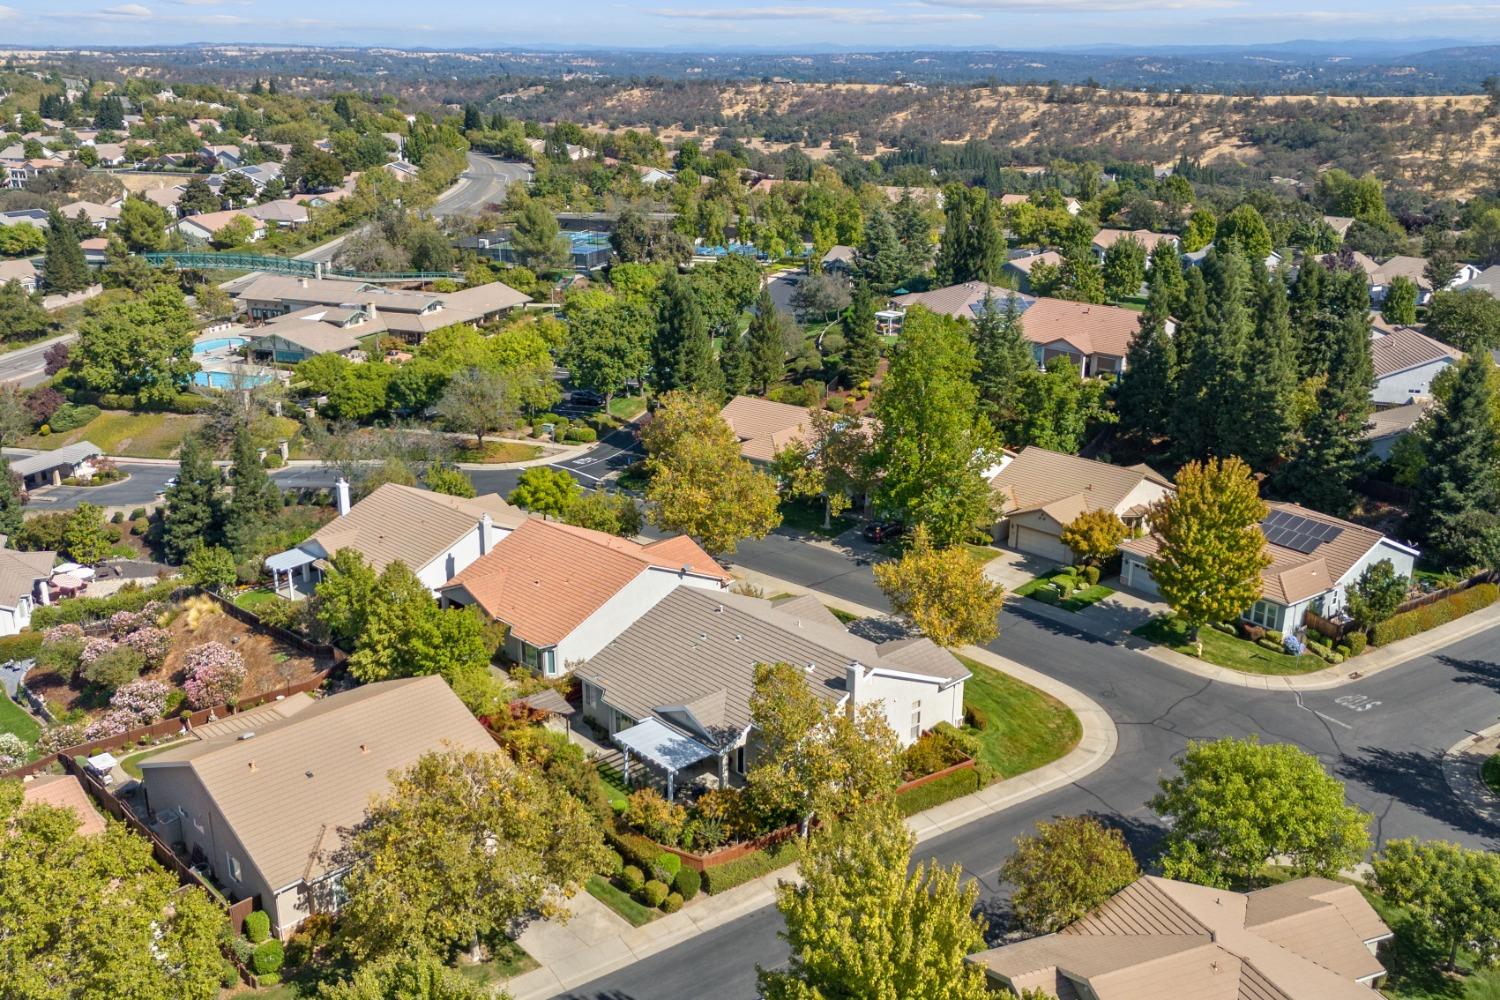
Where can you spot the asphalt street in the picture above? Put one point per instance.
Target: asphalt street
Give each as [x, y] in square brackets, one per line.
[487, 179]
[1384, 737]
[146, 483]
[26, 365]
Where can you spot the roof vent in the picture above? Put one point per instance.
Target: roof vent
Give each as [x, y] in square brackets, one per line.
[247, 736]
[719, 610]
[364, 748]
[811, 666]
[702, 636]
[309, 774]
[738, 637]
[252, 765]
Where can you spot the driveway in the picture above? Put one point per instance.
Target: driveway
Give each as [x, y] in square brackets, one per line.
[145, 485]
[1012, 568]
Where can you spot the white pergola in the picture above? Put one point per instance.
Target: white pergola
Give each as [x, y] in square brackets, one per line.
[662, 746]
[288, 562]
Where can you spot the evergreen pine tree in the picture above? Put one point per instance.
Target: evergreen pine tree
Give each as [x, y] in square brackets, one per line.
[65, 269]
[10, 501]
[1327, 460]
[882, 258]
[1082, 277]
[861, 340]
[987, 242]
[1191, 420]
[767, 343]
[734, 362]
[1269, 378]
[254, 498]
[1166, 287]
[678, 320]
[1231, 298]
[1148, 390]
[953, 260]
[191, 515]
[1457, 509]
[1004, 358]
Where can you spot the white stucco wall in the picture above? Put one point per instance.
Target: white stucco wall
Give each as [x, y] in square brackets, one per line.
[13, 620]
[1145, 492]
[1402, 560]
[898, 694]
[624, 609]
[457, 557]
[1400, 387]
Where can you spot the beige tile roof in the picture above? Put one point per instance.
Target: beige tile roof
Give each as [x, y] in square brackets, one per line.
[1402, 266]
[1106, 238]
[285, 790]
[956, 300]
[214, 221]
[1159, 939]
[320, 329]
[19, 572]
[92, 210]
[284, 210]
[1025, 264]
[1090, 329]
[1339, 223]
[1038, 479]
[1405, 348]
[764, 426]
[64, 792]
[1396, 420]
[546, 578]
[409, 524]
[1296, 576]
[17, 270]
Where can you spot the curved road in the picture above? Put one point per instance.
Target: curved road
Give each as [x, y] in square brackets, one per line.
[1384, 737]
[483, 184]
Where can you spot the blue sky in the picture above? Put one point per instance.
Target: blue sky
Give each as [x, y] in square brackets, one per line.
[1013, 24]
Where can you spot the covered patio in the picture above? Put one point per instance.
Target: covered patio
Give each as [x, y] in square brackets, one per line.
[665, 749]
[293, 565]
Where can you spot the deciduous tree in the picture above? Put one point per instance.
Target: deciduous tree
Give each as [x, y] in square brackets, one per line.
[1094, 536]
[943, 592]
[1066, 868]
[1400, 304]
[1124, 268]
[1058, 406]
[1454, 890]
[829, 464]
[546, 491]
[142, 345]
[1377, 593]
[415, 975]
[346, 595]
[479, 401]
[406, 634]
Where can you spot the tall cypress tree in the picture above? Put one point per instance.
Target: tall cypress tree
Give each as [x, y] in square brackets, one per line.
[1231, 292]
[1327, 460]
[987, 242]
[1457, 509]
[65, 269]
[767, 343]
[1192, 423]
[192, 511]
[861, 340]
[1264, 421]
[1148, 388]
[953, 254]
[734, 362]
[1166, 287]
[1004, 358]
[678, 321]
[10, 501]
[254, 498]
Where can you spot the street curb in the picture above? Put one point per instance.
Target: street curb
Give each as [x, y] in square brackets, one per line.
[1461, 770]
[1095, 747]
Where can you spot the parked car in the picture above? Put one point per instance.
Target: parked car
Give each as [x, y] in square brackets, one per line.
[883, 531]
[586, 397]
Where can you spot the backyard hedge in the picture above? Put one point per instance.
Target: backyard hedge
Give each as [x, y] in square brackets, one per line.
[267, 957]
[719, 878]
[944, 789]
[686, 883]
[82, 610]
[257, 926]
[1419, 620]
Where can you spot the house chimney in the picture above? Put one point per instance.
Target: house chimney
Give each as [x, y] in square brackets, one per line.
[341, 488]
[853, 675]
[43, 593]
[486, 525]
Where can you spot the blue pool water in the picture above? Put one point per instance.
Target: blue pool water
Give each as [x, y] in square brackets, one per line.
[224, 380]
[204, 346]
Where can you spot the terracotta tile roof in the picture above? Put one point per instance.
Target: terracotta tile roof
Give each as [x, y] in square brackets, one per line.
[284, 789]
[410, 524]
[1159, 938]
[546, 578]
[1405, 348]
[64, 792]
[1088, 328]
[1038, 479]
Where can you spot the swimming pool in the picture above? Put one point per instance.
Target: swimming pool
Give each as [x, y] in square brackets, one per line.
[219, 343]
[230, 380]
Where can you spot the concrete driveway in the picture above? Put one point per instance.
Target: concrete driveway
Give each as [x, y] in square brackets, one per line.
[1011, 568]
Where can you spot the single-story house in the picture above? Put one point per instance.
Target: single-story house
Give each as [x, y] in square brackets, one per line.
[1106, 238]
[1307, 939]
[1388, 426]
[265, 797]
[50, 468]
[284, 214]
[674, 687]
[1020, 267]
[109, 154]
[653, 176]
[64, 791]
[165, 198]
[1315, 558]
[1487, 281]
[1380, 275]
[1041, 492]
[1406, 362]
[202, 227]
[99, 216]
[965, 301]
[37, 218]
[764, 426]
[1095, 338]
[22, 270]
[401, 170]
[839, 260]
[297, 336]
[563, 591]
[95, 250]
[1195, 258]
[437, 536]
[1339, 224]
[224, 156]
[23, 585]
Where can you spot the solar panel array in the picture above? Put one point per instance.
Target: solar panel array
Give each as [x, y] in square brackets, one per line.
[1293, 531]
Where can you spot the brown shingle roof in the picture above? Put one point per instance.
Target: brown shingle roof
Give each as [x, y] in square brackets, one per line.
[64, 792]
[315, 772]
[1106, 238]
[957, 300]
[410, 524]
[546, 578]
[1090, 329]
[1405, 348]
[19, 572]
[1037, 478]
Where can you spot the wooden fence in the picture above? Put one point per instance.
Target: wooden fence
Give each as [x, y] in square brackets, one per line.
[1337, 630]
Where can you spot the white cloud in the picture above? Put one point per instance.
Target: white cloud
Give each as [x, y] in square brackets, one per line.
[1092, 6]
[209, 3]
[843, 15]
[7, 13]
[126, 10]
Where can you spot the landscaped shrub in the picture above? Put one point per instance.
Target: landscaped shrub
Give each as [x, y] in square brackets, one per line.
[1410, 623]
[686, 883]
[1224, 627]
[939, 790]
[267, 957]
[1091, 574]
[1335, 658]
[672, 903]
[974, 717]
[82, 610]
[720, 878]
[581, 435]
[1274, 636]
[655, 816]
[614, 865]
[1342, 649]
[13, 751]
[229, 976]
[143, 698]
[215, 674]
[653, 893]
[110, 666]
[71, 417]
[258, 926]
[666, 866]
[941, 746]
[269, 979]
[1266, 643]
[1291, 645]
[632, 878]
[1357, 642]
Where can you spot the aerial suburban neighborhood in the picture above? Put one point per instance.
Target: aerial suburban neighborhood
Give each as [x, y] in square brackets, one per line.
[817, 516]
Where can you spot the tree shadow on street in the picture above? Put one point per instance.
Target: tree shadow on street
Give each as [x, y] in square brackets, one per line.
[1415, 778]
[1485, 673]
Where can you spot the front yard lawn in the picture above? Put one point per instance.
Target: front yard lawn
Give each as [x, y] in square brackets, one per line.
[807, 515]
[982, 554]
[119, 432]
[1227, 650]
[13, 719]
[1024, 728]
[1042, 588]
[1415, 962]
[497, 452]
[627, 407]
[620, 901]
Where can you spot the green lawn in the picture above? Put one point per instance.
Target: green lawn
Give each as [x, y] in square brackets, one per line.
[1491, 773]
[620, 901]
[254, 600]
[1227, 650]
[847, 617]
[119, 432]
[982, 554]
[498, 452]
[614, 786]
[13, 719]
[1024, 728]
[1415, 964]
[1041, 589]
[627, 407]
[132, 764]
[807, 515]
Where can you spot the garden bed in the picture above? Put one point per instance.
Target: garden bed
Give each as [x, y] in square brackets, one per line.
[497, 452]
[617, 899]
[1229, 651]
[1044, 588]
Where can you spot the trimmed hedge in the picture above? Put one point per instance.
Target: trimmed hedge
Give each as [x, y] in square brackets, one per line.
[1357, 642]
[666, 866]
[634, 848]
[686, 883]
[257, 926]
[672, 903]
[267, 957]
[1419, 620]
[935, 793]
[653, 893]
[632, 878]
[719, 878]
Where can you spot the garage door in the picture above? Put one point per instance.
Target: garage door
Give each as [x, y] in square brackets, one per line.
[1134, 574]
[1040, 543]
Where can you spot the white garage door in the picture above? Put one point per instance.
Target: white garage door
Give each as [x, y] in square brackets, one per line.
[1134, 574]
[1040, 543]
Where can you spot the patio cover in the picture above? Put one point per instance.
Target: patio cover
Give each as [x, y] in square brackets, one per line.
[285, 562]
[665, 747]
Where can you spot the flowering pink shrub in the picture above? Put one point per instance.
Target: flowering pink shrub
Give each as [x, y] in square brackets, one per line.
[144, 699]
[215, 674]
[121, 623]
[59, 738]
[58, 634]
[13, 751]
[152, 642]
[93, 649]
[111, 723]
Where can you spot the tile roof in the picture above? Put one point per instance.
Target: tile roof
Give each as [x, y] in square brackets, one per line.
[546, 578]
[1396, 420]
[409, 524]
[1106, 238]
[961, 301]
[1488, 280]
[212, 222]
[764, 426]
[70, 454]
[1296, 576]
[1405, 348]
[1402, 266]
[320, 329]
[1158, 938]
[697, 647]
[1037, 478]
[1339, 223]
[304, 777]
[22, 270]
[1025, 264]
[19, 573]
[64, 791]
[284, 210]
[1090, 329]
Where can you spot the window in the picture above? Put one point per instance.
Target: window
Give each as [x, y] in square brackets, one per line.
[234, 867]
[530, 655]
[739, 759]
[916, 718]
[590, 695]
[549, 662]
[1265, 614]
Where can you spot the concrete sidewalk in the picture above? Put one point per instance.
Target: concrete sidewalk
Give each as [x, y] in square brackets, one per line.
[1463, 771]
[596, 942]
